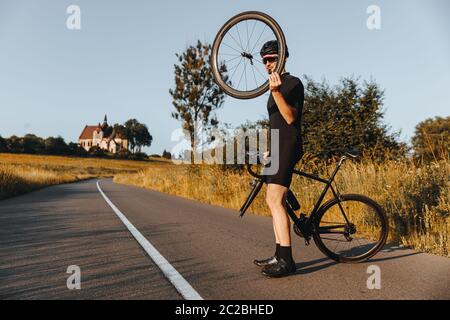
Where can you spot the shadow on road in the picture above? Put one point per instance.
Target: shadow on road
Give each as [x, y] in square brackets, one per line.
[396, 250]
[302, 267]
[317, 264]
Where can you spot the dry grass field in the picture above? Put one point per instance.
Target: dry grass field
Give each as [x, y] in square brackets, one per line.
[416, 198]
[20, 173]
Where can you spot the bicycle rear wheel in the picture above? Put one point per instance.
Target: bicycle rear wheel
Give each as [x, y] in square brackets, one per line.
[235, 60]
[351, 230]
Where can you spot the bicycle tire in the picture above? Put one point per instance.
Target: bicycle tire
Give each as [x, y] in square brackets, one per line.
[362, 257]
[248, 15]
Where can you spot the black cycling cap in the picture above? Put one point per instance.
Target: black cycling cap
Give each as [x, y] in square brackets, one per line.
[271, 47]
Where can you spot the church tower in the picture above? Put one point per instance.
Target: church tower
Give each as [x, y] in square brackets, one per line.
[105, 123]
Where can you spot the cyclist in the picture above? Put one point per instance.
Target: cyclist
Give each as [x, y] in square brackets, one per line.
[285, 108]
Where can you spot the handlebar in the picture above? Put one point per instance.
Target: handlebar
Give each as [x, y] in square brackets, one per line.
[249, 166]
[253, 173]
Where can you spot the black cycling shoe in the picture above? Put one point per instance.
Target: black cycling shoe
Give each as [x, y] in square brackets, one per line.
[279, 269]
[266, 262]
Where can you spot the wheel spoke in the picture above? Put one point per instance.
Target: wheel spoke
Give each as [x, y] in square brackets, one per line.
[231, 36]
[231, 78]
[251, 35]
[231, 47]
[359, 243]
[246, 29]
[241, 76]
[254, 75]
[233, 67]
[265, 78]
[230, 54]
[337, 245]
[257, 60]
[237, 57]
[245, 75]
[333, 239]
[262, 42]
[239, 36]
[347, 246]
[265, 26]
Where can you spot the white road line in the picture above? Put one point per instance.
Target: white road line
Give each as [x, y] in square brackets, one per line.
[182, 286]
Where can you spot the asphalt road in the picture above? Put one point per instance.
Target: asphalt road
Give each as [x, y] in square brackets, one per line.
[44, 232]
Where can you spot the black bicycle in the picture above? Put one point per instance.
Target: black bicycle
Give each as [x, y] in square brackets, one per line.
[235, 60]
[348, 228]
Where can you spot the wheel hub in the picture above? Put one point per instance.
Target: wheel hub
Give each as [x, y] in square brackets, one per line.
[350, 228]
[348, 231]
[248, 56]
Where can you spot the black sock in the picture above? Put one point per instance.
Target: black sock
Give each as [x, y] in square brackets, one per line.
[286, 254]
[277, 251]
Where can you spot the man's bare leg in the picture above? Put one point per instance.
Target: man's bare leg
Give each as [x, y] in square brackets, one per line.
[275, 198]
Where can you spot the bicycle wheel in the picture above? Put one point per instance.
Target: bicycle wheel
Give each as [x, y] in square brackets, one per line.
[351, 230]
[235, 60]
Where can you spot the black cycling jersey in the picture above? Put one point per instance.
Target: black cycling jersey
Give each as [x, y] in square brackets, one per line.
[290, 144]
[292, 90]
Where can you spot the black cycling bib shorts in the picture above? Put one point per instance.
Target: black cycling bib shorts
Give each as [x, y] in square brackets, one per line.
[290, 140]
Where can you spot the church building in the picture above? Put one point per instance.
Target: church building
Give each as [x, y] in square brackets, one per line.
[103, 136]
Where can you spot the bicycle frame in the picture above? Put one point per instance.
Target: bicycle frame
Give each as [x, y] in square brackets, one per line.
[303, 224]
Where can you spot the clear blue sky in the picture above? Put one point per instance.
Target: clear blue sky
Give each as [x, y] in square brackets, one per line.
[53, 80]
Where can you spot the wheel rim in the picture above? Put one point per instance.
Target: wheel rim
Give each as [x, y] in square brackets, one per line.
[362, 235]
[237, 65]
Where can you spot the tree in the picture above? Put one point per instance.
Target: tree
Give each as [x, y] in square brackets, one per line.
[14, 144]
[166, 154]
[123, 154]
[96, 151]
[31, 143]
[143, 137]
[196, 96]
[431, 140]
[120, 130]
[3, 145]
[130, 133]
[347, 116]
[137, 134]
[56, 146]
[76, 150]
